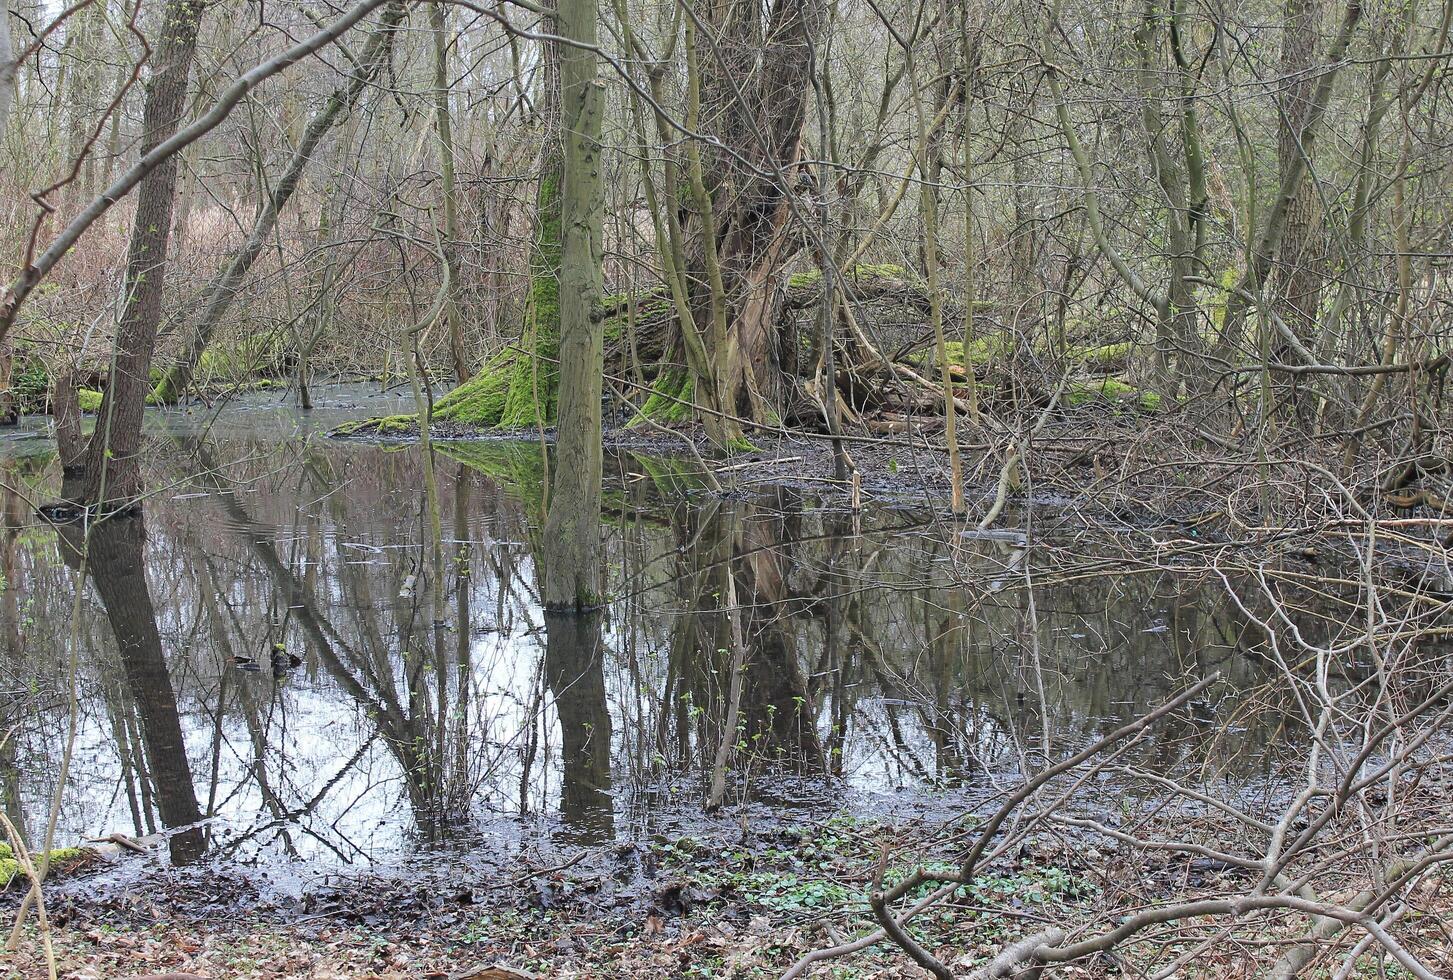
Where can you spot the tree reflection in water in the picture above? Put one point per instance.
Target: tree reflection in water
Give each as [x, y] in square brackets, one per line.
[763, 650]
[115, 564]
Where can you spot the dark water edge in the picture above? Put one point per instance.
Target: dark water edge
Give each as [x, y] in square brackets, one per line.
[261, 681]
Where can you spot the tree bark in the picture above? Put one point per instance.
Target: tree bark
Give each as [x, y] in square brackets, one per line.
[113, 471]
[571, 546]
[755, 76]
[444, 129]
[7, 66]
[1299, 263]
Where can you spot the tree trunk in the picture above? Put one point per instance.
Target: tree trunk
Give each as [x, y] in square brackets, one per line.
[519, 387]
[1299, 262]
[7, 66]
[756, 71]
[8, 412]
[113, 471]
[443, 126]
[572, 529]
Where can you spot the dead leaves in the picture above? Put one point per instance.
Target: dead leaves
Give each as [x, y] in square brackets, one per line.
[485, 973]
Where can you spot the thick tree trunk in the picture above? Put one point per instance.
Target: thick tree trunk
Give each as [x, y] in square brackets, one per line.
[572, 527]
[756, 72]
[113, 470]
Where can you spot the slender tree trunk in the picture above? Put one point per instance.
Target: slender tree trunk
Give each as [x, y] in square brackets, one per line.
[930, 166]
[8, 412]
[571, 546]
[1299, 264]
[443, 126]
[113, 471]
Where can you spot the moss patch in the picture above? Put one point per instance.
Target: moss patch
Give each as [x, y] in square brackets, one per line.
[671, 399]
[62, 859]
[388, 425]
[1112, 389]
[864, 270]
[1101, 357]
[981, 350]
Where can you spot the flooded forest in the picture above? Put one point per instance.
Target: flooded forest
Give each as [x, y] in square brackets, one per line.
[726, 488]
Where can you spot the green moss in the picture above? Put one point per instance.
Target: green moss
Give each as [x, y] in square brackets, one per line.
[671, 399]
[995, 346]
[616, 309]
[30, 382]
[1111, 389]
[388, 425]
[89, 399]
[864, 270]
[1103, 356]
[60, 858]
[1230, 276]
[519, 387]
[982, 350]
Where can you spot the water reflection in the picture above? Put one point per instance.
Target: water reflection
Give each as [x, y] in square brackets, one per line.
[259, 653]
[112, 560]
[575, 674]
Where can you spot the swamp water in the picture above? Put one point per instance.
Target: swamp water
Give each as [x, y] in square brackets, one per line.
[257, 658]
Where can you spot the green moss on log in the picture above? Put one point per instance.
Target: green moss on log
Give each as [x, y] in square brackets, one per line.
[388, 425]
[671, 399]
[862, 271]
[62, 859]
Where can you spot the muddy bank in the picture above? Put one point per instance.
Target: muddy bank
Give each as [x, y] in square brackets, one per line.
[720, 903]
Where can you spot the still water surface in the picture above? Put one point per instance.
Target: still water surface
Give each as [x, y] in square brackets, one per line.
[258, 653]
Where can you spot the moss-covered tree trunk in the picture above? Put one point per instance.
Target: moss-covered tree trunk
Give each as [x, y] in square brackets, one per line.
[518, 388]
[751, 74]
[571, 545]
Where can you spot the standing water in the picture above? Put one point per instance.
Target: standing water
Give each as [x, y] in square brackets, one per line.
[259, 673]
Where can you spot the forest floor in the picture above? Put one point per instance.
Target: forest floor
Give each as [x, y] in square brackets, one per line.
[722, 905]
[718, 906]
